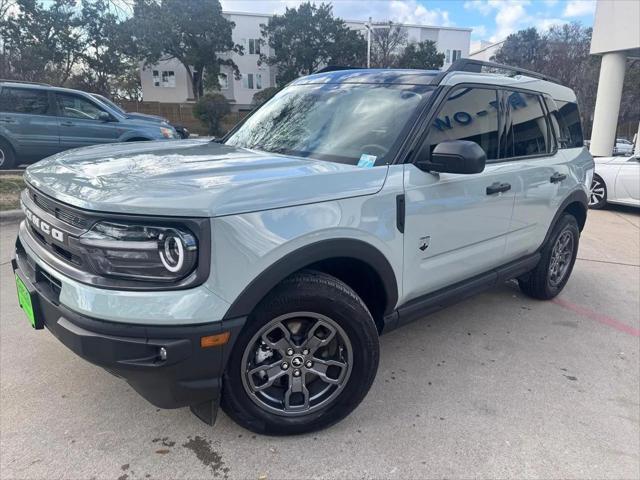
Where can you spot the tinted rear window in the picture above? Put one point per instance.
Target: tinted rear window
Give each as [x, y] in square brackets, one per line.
[568, 122]
[24, 100]
[529, 126]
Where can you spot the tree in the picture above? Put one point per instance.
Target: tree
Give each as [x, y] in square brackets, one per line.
[303, 40]
[211, 110]
[40, 43]
[195, 33]
[386, 42]
[423, 55]
[525, 49]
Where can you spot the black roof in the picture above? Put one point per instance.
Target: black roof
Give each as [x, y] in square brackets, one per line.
[371, 75]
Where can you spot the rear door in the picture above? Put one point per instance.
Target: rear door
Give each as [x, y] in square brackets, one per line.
[79, 123]
[456, 225]
[544, 176]
[27, 119]
[627, 187]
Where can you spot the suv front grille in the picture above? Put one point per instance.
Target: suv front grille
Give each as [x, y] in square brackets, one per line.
[59, 211]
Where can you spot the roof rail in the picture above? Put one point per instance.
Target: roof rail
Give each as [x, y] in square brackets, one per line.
[475, 66]
[335, 68]
[24, 81]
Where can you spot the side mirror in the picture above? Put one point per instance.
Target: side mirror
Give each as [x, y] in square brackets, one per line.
[104, 117]
[455, 156]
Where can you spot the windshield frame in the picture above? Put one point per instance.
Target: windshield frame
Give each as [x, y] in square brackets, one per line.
[395, 150]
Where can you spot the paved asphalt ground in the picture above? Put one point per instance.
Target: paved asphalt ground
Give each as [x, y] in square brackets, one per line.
[499, 386]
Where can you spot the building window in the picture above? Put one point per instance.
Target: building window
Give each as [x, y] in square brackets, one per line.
[457, 55]
[447, 57]
[168, 79]
[254, 46]
[164, 78]
[252, 81]
[223, 80]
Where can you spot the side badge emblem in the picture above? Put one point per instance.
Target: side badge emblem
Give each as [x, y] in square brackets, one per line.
[424, 242]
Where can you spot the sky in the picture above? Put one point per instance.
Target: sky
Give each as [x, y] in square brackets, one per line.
[491, 20]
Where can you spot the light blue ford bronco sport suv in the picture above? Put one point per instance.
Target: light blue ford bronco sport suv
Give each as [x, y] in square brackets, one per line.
[257, 272]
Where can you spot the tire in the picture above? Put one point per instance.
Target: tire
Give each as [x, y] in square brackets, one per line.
[7, 156]
[597, 193]
[305, 304]
[555, 266]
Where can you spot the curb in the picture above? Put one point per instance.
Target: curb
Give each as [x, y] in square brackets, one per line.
[11, 215]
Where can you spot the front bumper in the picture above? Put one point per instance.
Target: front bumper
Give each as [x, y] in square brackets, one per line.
[189, 376]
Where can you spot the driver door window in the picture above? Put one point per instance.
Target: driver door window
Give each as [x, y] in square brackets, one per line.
[73, 106]
[468, 114]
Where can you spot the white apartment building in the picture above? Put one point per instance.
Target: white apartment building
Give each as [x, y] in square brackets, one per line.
[168, 81]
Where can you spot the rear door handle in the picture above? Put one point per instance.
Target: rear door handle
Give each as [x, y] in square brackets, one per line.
[557, 177]
[498, 187]
[67, 124]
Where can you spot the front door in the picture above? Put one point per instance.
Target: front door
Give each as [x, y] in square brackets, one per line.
[456, 225]
[79, 123]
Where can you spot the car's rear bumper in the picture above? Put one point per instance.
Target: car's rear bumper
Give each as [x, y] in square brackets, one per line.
[189, 376]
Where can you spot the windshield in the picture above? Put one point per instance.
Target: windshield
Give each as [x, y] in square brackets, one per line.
[338, 122]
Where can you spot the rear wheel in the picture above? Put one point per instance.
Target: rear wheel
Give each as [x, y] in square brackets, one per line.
[305, 360]
[597, 193]
[556, 263]
[7, 157]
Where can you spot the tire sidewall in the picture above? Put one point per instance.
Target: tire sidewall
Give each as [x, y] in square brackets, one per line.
[359, 327]
[9, 156]
[566, 223]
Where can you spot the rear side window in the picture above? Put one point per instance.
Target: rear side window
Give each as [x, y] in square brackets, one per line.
[567, 116]
[24, 100]
[529, 133]
[468, 114]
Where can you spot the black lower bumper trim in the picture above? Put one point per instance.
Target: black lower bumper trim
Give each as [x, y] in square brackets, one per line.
[189, 376]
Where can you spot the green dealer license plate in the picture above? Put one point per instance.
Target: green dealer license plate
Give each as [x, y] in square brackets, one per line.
[24, 298]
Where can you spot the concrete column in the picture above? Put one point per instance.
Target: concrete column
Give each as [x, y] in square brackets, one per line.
[605, 117]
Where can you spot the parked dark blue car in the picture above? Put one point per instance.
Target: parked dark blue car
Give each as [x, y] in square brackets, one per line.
[38, 120]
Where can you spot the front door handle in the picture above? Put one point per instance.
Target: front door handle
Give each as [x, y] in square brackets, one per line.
[557, 177]
[67, 124]
[498, 187]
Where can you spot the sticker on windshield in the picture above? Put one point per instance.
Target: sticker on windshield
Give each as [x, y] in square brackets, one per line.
[367, 161]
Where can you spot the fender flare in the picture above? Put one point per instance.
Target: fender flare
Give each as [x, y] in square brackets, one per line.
[577, 196]
[260, 286]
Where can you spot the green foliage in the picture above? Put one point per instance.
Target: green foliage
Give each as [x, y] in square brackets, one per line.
[193, 32]
[422, 55]
[211, 109]
[262, 96]
[303, 40]
[40, 43]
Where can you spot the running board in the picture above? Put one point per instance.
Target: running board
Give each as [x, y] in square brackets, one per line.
[432, 302]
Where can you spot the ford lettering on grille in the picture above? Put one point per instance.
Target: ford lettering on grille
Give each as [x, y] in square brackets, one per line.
[42, 226]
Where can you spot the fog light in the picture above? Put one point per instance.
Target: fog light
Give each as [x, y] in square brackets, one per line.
[163, 353]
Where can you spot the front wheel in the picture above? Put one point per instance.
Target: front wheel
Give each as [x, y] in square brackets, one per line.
[306, 358]
[556, 262]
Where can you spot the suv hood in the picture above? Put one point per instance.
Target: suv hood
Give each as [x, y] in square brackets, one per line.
[194, 178]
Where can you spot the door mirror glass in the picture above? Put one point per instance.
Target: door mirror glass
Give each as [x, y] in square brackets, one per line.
[456, 156]
[104, 117]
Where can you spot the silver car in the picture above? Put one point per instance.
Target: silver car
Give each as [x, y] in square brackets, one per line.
[257, 272]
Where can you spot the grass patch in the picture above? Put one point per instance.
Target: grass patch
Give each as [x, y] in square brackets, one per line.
[10, 188]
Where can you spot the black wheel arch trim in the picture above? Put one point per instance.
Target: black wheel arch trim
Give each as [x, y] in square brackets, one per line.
[577, 196]
[308, 255]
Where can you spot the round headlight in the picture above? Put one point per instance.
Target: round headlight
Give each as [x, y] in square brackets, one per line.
[173, 247]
